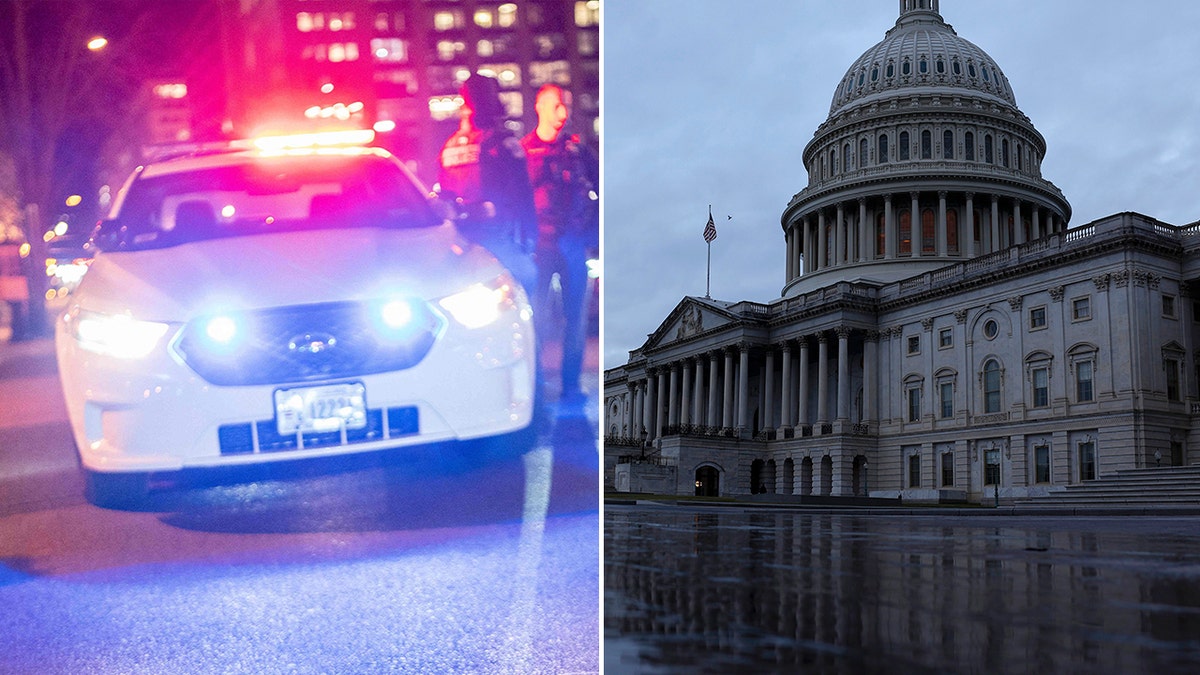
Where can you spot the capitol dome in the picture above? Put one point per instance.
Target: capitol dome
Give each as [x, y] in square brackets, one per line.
[925, 159]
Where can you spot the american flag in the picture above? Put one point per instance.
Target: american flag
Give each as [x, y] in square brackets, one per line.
[710, 230]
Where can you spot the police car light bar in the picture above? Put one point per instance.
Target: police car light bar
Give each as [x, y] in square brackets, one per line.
[315, 140]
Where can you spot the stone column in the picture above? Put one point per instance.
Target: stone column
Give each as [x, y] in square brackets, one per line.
[916, 232]
[942, 245]
[698, 395]
[660, 420]
[636, 412]
[822, 378]
[870, 368]
[768, 416]
[1037, 222]
[843, 378]
[743, 403]
[839, 236]
[802, 415]
[788, 241]
[1018, 226]
[994, 244]
[648, 401]
[685, 394]
[713, 418]
[891, 234]
[970, 233]
[785, 389]
[866, 242]
[727, 404]
[673, 396]
[822, 242]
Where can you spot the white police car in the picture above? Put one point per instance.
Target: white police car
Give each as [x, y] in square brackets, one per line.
[259, 305]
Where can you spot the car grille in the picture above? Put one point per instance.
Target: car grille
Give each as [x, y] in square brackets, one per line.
[303, 343]
[263, 435]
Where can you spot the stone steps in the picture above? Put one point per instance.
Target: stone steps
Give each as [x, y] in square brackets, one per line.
[1166, 486]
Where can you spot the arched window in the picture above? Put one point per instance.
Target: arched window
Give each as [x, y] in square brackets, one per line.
[862, 153]
[957, 67]
[1004, 152]
[832, 162]
[905, 232]
[940, 66]
[969, 146]
[846, 157]
[971, 69]
[985, 73]
[875, 73]
[891, 70]
[952, 231]
[924, 67]
[926, 144]
[880, 235]
[1020, 158]
[928, 232]
[902, 146]
[906, 68]
[991, 386]
[947, 144]
[988, 155]
[883, 149]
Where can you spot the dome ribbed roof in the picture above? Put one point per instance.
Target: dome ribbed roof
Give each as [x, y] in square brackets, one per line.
[922, 53]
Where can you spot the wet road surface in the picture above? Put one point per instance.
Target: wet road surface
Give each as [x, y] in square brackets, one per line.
[721, 590]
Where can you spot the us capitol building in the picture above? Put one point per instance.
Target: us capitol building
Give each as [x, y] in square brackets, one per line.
[942, 334]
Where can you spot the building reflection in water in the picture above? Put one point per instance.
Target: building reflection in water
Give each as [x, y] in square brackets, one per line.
[748, 592]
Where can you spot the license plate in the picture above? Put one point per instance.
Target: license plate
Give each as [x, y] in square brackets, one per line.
[321, 409]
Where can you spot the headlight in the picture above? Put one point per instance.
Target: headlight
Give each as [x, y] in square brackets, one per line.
[481, 304]
[117, 335]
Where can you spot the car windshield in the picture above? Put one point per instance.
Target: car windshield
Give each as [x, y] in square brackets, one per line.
[268, 194]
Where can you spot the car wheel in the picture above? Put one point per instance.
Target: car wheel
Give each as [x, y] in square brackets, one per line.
[116, 490]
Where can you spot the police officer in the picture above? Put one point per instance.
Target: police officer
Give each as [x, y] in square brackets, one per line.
[564, 176]
[482, 170]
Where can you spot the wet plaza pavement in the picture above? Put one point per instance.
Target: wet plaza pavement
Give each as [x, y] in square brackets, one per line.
[724, 589]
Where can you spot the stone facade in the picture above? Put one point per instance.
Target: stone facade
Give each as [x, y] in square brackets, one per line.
[978, 350]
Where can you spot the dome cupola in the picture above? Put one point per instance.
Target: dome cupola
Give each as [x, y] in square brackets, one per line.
[924, 160]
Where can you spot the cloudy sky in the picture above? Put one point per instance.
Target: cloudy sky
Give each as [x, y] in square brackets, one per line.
[712, 102]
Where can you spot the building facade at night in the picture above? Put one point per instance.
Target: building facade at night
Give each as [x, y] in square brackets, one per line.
[941, 334]
[401, 62]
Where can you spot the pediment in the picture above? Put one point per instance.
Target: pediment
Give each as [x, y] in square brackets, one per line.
[691, 317]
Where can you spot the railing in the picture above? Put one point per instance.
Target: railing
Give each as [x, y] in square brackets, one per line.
[654, 460]
[621, 441]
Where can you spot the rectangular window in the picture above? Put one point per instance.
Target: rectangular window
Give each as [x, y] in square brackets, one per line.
[1168, 306]
[947, 469]
[1171, 366]
[945, 338]
[1037, 318]
[946, 399]
[914, 404]
[1041, 387]
[1041, 464]
[914, 471]
[1087, 460]
[991, 467]
[1081, 309]
[914, 344]
[1083, 381]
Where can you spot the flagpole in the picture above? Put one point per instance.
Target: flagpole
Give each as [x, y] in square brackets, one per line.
[708, 274]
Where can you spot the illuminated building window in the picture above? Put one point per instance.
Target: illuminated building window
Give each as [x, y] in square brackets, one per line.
[546, 72]
[587, 13]
[506, 15]
[549, 45]
[385, 22]
[485, 48]
[507, 74]
[588, 43]
[928, 240]
[444, 107]
[905, 232]
[448, 50]
[342, 21]
[514, 104]
[484, 18]
[304, 22]
[448, 19]
[389, 50]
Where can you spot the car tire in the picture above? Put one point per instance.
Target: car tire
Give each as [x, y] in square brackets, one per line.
[116, 490]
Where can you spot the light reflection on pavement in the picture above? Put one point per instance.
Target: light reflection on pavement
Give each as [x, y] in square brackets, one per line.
[729, 590]
[376, 563]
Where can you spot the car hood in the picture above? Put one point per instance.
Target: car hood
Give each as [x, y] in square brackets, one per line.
[284, 268]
